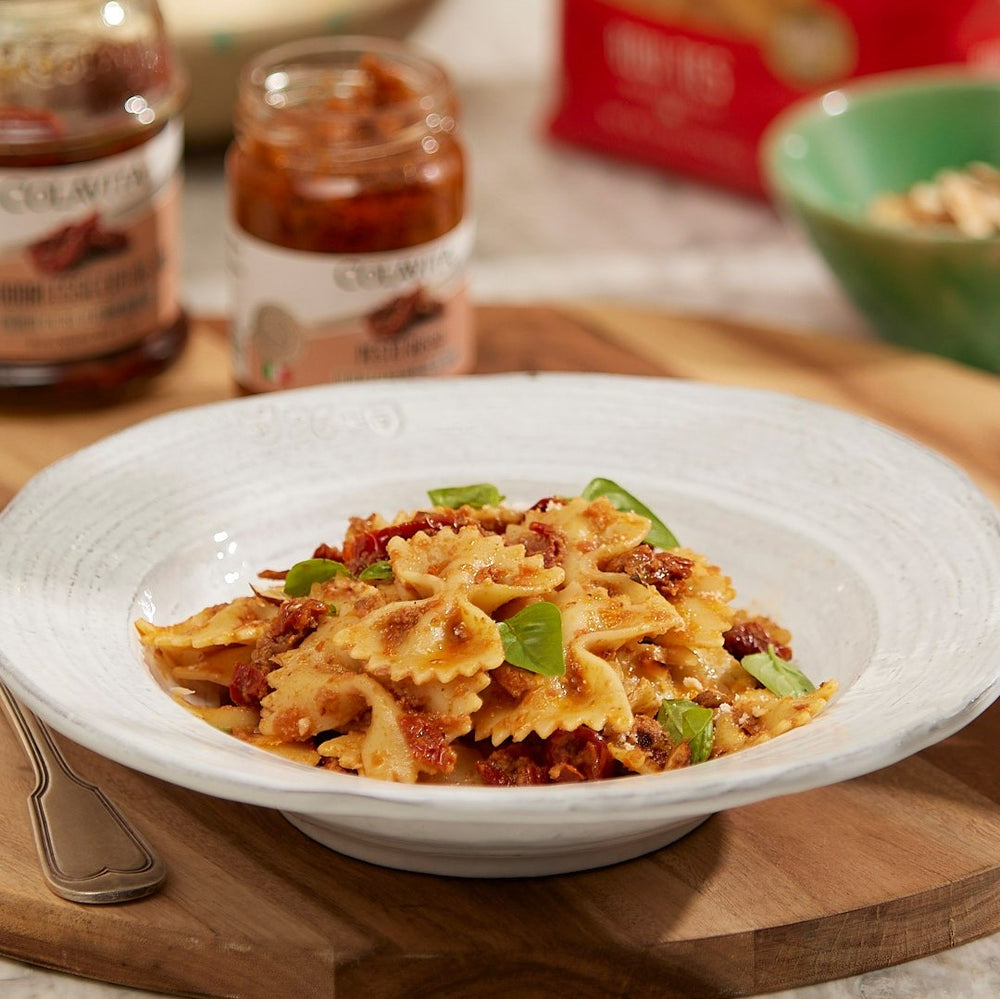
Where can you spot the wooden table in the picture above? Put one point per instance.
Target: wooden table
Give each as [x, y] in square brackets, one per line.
[887, 867]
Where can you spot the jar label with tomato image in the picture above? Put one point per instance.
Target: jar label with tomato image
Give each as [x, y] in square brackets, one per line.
[302, 318]
[89, 262]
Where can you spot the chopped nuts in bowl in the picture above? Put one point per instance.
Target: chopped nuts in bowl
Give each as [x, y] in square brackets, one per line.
[965, 201]
[894, 178]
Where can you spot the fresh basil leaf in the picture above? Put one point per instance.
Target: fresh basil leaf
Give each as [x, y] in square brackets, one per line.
[671, 717]
[685, 721]
[377, 570]
[779, 676]
[701, 744]
[478, 495]
[532, 639]
[302, 575]
[659, 536]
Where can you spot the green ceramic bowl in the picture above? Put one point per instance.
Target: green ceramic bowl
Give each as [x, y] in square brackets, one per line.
[827, 157]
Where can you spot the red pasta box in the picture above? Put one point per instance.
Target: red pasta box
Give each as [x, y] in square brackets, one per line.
[690, 85]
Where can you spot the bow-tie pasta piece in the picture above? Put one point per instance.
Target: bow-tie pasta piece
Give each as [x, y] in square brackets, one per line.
[450, 632]
[239, 622]
[206, 647]
[405, 736]
[487, 570]
[437, 638]
[594, 689]
[581, 534]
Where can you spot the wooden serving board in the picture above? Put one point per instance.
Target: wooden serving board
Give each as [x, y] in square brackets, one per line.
[801, 889]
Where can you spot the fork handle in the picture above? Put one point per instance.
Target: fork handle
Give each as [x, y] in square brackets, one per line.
[88, 850]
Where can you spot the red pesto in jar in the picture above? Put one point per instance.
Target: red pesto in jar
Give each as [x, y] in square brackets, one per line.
[90, 147]
[347, 199]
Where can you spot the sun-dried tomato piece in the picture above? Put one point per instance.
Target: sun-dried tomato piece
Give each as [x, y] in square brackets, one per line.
[295, 619]
[751, 636]
[514, 682]
[664, 571]
[249, 685]
[328, 551]
[428, 741]
[563, 757]
[513, 765]
[578, 755]
[546, 540]
[363, 547]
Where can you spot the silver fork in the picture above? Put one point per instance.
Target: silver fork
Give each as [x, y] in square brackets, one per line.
[88, 850]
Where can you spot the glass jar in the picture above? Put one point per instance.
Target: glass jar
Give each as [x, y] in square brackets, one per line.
[348, 230]
[90, 152]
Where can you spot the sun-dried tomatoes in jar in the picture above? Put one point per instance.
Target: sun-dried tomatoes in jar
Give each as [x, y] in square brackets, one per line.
[90, 151]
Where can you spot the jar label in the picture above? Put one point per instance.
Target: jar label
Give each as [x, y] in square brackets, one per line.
[301, 318]
[90, 256]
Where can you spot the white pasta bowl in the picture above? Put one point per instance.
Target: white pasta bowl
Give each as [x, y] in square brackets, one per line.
[881, 557]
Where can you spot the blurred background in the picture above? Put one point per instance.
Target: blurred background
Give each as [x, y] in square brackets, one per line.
[555, 220]
[564, 219]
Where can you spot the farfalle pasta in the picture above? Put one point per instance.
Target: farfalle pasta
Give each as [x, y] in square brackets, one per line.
[474, 642]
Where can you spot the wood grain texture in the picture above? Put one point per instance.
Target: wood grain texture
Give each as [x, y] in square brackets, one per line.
[813, 886]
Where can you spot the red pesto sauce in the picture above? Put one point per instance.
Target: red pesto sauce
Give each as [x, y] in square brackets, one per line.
[279, 194]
